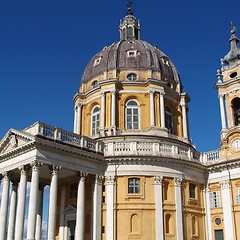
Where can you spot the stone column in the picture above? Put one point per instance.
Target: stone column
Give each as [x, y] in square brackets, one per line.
[61, 227]
[4, 204]
[184, 120]
[159, 207]
[178, 202]
[113, 118]
[97, 208]
[110, 207]
[38, 234]
[222, 111]
[162, 110]
[208, 213]
[227, 210]
[152, 112]
[20, 216]
[52, 212]
[102, 119]
[78, 118]
[32, 210]
[80, 221]
[12, 211]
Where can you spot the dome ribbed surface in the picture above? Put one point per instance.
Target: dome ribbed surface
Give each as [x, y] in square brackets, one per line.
[116, 57]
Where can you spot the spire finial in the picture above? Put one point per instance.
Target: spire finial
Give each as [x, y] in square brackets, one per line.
[233, 28]
[129, 6]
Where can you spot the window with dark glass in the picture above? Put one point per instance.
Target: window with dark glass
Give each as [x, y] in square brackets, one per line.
[168, 120]
[95, 84]
[73, 190]
[236, 110]
[134, 185]
[192, 190]
[132, 76]
[95, 120]
[132, 115]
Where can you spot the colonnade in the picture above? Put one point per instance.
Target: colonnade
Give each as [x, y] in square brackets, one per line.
[12, 223]
[78, 112]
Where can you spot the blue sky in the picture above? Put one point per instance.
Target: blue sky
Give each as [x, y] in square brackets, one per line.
[45, 46]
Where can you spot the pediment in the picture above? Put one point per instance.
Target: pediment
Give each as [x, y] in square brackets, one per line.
[70, 209]
[14, 139]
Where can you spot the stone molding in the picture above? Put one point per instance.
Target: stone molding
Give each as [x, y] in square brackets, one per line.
[110, 179]
[177, 182]
[158, 180]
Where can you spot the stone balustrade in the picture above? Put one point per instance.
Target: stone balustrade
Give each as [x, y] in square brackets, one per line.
[63, 136]
[211, 157]
[159, 149]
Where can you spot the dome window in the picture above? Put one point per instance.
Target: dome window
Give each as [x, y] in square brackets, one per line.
[169, 120]
[94, 84]
[233, 75]
[132, 76]
[97, 61]
[132, 53]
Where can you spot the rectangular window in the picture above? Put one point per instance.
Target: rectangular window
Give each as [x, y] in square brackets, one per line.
[134, 185]
[192, 190]
[215, 199]
[219, 235]
[238, 196]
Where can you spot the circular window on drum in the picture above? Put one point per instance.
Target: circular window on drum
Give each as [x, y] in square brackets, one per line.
[132, 76]
[218, 221]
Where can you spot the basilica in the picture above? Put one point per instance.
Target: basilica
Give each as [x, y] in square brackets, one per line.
[129, 170]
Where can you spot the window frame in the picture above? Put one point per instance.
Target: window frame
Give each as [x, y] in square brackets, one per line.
[132, 125]
[192, 191]
[95, 114]
[215, 199]
[136, 187]
[168, 116]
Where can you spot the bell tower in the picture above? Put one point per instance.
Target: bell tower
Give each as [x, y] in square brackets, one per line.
[228, 86]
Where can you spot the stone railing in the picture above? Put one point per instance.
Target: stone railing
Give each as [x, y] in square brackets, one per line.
[211, 157]
[60, 135]
[159, 149]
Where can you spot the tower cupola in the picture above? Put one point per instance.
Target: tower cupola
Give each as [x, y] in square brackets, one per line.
[129, 26]
[234, 54]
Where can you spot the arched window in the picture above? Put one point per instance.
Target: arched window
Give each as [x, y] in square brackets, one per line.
[95, 120]
[236, 111]
[129, 33]
[134, 185]
[168, 223]
[132, 115]
[168, 120]
[94, 84]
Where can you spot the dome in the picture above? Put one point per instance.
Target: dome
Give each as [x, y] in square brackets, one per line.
[131, 55]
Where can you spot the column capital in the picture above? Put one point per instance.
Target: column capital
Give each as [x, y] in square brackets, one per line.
[113, 91]
[110, 179]
[6, 175]
[151, 91]
[54, 169]
[103, 93]
[24, 169]
[158, 179]
[99, 179]
[177, 181]
[78, 105]
[221, 95]
[81, 175]
[225, 184]
[162, 93]
[36, 165]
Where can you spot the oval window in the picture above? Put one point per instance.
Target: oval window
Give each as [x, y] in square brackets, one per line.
[233, 75]
[132, 76]
[218, 221]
